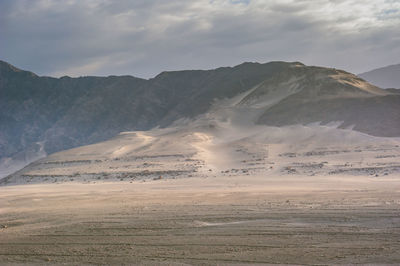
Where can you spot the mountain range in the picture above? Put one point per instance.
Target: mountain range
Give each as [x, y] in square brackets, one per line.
[384, 77]
[43, 115]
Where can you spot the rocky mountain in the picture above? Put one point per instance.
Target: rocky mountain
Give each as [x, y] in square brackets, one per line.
[43, 115]
[385, 77]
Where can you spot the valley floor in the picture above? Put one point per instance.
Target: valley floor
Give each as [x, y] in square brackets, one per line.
[212, 220]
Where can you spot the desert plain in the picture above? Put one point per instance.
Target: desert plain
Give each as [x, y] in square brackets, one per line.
[203, 220]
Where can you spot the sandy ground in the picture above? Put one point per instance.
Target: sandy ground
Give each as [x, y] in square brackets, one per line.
[222, 220]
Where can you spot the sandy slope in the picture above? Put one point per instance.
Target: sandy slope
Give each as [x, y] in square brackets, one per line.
[218, 148]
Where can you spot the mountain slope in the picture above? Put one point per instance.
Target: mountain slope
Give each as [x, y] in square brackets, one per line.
[324, 95]
[69, 112]
[385, 77]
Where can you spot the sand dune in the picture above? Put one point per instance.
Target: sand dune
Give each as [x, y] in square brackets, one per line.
[214, 147]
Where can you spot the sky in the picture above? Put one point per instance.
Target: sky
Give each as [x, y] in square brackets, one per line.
[145, 37]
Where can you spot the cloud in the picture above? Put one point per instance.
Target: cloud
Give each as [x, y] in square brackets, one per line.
[145, 37]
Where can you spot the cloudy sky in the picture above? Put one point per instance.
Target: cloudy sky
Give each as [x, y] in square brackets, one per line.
[145, 37]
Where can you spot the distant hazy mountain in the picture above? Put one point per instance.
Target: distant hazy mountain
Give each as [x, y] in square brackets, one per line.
[385, 77]
[42, 115]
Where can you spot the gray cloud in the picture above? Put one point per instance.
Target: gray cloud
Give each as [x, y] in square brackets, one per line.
[145, 37]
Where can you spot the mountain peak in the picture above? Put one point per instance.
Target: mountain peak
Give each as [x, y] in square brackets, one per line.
[6, 67]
